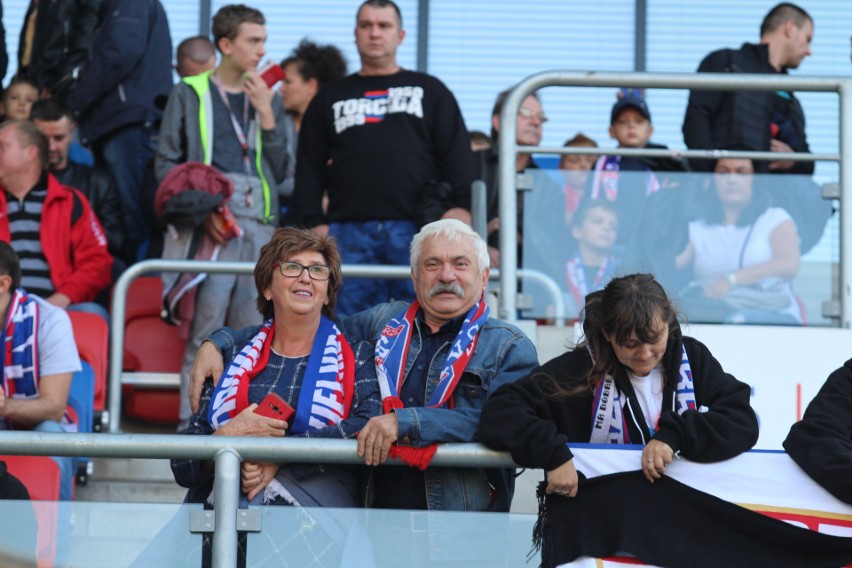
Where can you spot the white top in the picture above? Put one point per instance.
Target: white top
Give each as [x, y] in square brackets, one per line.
[717, 248]
[649, 393]
[57, 351]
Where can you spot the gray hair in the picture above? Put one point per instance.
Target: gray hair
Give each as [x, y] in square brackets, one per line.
[455, 231]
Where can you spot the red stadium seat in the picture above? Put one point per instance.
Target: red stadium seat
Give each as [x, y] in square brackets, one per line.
[150, 346]
[40, 475]
[91, 334]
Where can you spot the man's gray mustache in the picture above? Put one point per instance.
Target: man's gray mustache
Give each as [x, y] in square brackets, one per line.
[452, 287]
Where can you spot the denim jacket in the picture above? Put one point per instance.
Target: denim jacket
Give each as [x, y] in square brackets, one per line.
[503, 355]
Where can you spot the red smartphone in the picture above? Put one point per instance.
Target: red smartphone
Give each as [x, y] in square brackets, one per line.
[271, 74]
[273, 406]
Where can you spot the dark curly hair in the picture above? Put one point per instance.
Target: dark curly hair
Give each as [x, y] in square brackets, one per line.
[325, 63]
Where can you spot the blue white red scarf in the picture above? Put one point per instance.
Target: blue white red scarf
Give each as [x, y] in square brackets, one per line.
[576, 277]
[20, 355]
[20, 347]
[609, 425]
[392, 354]
[325, 396]
[605, 180]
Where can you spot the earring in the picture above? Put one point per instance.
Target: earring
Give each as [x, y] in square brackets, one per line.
[268, 298]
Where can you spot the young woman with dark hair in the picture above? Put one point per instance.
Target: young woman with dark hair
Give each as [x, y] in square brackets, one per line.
[634, 379]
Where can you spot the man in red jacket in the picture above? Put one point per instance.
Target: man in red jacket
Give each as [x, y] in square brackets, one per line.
[52, 228]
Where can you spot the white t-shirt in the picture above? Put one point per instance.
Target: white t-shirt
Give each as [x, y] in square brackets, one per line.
[57, 351]
[717, 248]
[649, 393]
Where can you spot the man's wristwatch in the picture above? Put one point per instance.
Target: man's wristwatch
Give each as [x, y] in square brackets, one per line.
[732, 279]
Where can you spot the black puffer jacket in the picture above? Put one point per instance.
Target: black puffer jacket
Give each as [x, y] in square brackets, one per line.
[741, 119]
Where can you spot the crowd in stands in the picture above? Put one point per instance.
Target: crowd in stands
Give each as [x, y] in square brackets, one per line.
[104, 161]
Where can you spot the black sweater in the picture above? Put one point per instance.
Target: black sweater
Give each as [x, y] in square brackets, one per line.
[375, 143]
[822, 442]
[534, 427]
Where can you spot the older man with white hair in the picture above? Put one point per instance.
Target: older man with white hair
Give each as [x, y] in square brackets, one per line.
[437, 360]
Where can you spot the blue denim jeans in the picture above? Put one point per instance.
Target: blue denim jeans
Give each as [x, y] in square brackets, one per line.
[127, 153]
[373, 242]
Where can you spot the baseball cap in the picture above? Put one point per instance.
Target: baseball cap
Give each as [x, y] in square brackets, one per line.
[630, 102]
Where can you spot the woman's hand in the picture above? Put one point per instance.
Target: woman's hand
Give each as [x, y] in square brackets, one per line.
[655, 457]
[254, 477]
[718, 289]
[247, 423]
[563, 480]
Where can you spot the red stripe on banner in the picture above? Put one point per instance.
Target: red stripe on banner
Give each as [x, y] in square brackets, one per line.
[798, 401]
[604, 562]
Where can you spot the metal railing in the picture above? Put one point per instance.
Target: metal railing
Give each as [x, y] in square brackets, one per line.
[228, 452]
[119, 307]
[508, 149]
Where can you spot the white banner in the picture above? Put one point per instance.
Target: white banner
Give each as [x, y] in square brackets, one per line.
[765, 481]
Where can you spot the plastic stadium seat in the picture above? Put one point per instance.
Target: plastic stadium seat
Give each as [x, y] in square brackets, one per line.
[81, 402]
[40, 475]
[153, 346]
[91, 333]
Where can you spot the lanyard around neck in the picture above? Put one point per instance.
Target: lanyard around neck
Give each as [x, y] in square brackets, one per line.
[238, 129]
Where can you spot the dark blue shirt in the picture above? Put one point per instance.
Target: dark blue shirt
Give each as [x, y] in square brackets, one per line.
[405, 487]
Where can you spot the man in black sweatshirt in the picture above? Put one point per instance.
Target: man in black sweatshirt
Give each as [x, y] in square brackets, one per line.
[377, 141]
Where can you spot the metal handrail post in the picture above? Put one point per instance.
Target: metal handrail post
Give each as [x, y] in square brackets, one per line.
[226, 488]
[845, 203]
[508, 202]
[172, 446]
[508, 148]
[479, 208]
[119, 308]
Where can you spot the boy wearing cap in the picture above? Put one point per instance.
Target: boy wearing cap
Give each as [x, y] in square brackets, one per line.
[630, 124]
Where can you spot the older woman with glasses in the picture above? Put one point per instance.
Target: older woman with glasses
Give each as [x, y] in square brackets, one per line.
[297, 279]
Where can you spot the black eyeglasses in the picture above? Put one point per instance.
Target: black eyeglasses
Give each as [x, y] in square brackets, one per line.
[294, 270]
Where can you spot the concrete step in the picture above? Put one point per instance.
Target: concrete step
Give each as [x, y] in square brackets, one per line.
[130, 492]
[121, 480]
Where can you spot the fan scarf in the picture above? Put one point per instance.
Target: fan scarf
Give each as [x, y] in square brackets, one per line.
[608, 420]
[605, 179]
[20, 347]
[576, 277]
[325, 397]
[392, 354]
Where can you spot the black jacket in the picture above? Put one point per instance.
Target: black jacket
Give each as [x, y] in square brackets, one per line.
[535, 427]
[100, 189]
[821, 443]
[127, 77]
[63, 35]
[742, 119]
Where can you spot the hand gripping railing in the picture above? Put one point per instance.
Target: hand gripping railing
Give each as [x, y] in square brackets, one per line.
[508, 149]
